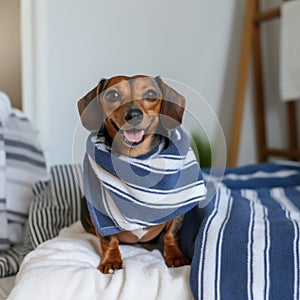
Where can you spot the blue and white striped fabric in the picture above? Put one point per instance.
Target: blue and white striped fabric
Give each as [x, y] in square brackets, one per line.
[130, 193]
[248, 244]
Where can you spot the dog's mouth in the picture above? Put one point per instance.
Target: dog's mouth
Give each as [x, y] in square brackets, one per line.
[132, 137]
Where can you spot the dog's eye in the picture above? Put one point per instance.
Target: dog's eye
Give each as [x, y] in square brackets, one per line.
[112, 96]
[150, 95]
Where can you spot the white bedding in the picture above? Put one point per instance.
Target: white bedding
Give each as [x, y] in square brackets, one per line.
[66, 268]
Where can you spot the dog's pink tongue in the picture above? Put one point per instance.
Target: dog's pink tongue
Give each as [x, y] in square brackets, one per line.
[133, 136]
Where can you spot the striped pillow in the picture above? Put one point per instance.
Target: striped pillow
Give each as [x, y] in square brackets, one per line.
[56, 203]
[22, 163]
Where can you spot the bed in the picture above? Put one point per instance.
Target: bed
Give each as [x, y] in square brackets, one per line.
[243, 244]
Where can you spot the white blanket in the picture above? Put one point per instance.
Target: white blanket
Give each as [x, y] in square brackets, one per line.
[66, 268]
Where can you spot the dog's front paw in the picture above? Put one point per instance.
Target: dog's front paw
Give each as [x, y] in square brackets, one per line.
[175, 258]
[109, 267]
[177, 261]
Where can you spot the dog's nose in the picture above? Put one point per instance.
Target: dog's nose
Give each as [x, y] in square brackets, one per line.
[134, 116]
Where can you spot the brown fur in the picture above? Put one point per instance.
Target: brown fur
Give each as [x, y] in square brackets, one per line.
[163, 114]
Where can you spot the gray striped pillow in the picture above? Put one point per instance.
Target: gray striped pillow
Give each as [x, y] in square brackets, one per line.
[56, 203]
[22, 163]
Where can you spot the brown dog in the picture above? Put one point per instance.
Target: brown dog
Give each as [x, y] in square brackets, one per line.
[134, 112]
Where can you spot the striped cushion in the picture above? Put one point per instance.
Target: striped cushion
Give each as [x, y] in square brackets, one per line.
[56, 204]
[22, 163]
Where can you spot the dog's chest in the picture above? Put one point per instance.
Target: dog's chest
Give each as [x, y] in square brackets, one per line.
[141, 235]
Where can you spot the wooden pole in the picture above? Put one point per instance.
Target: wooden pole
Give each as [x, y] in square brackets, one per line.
[292, 128]
[267, 15]
[259, 107]
[242, 77]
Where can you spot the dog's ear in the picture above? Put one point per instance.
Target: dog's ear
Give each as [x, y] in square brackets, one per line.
[90, 109]
[172, 106]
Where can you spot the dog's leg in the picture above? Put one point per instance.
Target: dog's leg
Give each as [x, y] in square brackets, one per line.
[111, 259]
[172, 252]
[85, 218]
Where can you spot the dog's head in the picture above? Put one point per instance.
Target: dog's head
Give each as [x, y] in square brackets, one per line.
[133, 111]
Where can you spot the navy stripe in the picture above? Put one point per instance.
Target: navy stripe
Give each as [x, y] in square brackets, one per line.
[23, 145]
[295, 222]
[191, 240]
[281, 258]
[155, 216]
[234, 267]
[26, 159]
[106, 226]
[154, 191]
[293, 194]
[157, 181]
[281, 252]
[166, 171]
[129, 198]
[110, 214]
[267, 167]
[257, 182]
[172, 157]
[205, 237]
[217, 267]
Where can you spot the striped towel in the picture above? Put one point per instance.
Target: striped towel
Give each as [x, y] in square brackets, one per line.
[131, 193]
[22, 163]
[248, 244]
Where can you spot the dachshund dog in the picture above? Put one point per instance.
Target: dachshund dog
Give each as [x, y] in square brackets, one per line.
[134, 113]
